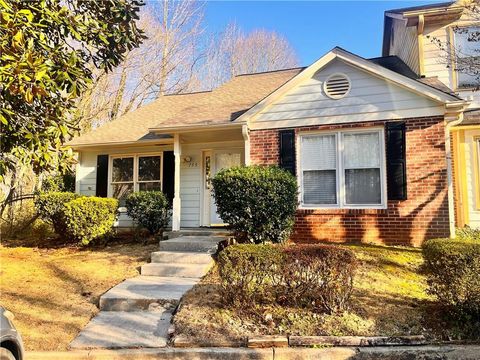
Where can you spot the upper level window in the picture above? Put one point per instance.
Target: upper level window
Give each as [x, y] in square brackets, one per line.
[134, 173]
[467, 50]
[343, 169]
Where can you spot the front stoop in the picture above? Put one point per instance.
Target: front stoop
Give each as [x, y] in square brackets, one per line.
[138, 312]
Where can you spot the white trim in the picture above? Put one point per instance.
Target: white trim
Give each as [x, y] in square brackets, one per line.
[177, 202]
[341, 202]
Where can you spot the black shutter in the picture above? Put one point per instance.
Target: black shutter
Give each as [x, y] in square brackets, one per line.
[287, 150]
[101, 188]
[396, 161]
[168, 180]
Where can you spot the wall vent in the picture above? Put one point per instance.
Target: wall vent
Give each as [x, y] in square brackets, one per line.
[336, 86]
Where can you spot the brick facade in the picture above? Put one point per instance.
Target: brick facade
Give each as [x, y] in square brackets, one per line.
[422, 216]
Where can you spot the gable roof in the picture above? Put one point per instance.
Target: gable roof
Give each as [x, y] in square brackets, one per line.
[414, 85]
[233, 102]
[226, 103]
[219, 106]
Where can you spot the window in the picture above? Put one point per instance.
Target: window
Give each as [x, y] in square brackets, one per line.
[467, 56]
[343, 169]
[135, 173]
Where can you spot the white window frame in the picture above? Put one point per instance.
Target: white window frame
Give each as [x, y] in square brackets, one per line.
[136, 182]
[453, 40]
[341, 196]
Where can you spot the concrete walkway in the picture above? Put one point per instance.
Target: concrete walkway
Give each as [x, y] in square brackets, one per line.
[138, 311]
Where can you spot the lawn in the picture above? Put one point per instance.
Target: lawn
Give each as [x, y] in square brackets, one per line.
[54, 292]
[389, 299]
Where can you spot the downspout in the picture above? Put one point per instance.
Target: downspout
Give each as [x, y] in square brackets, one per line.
[420, 29]
[451, 119]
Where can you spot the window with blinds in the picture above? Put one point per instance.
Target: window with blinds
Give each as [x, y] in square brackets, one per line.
[343, 169]
[319, 167]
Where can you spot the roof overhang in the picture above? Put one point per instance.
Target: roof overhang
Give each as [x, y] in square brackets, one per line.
[152, 142]
[442, 14]
[362, 64]
[194, 128]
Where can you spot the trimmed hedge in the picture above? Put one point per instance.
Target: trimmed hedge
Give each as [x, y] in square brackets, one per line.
[150, 209]
[320, 276]
[77, 218]
[50, 206]
[310, 276]
[453, 273]
[258, 202]
[249, 272]
[89, 218]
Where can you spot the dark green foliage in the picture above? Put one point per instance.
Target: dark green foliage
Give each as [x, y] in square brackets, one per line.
[311, 276]
[51, 205]
[60, 182]
[258, 202]
[89, 218]
[249, 272]
[320, 276]
[453, 268]
[48, 51]
[149, 209]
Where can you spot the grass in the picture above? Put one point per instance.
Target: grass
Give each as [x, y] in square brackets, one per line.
[54, 292]
[389, 299]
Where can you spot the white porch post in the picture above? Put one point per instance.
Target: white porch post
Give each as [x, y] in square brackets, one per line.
[246, 138]
[177, 151]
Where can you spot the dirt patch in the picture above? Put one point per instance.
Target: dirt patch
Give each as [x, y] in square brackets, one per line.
[54, 291]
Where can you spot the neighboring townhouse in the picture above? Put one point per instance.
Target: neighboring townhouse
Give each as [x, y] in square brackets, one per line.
[369, 140]
[412, 34]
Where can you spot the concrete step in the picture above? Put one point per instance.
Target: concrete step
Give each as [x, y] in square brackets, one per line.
[175, 269]
[118, 329]
[197, 232]
[180, 257]
[138, 293]
[207, 244]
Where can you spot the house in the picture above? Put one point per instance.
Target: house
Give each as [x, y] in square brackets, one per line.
[385, 150]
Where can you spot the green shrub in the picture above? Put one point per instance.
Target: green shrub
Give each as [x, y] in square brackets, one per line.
[319, 276]
[50, 206]
[89, 218]
[468, 233]
[249, 273]
[149, 209]
[310, 276]
[258, 202]
[453, 268]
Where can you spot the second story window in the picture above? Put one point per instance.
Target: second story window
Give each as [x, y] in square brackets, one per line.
[467, 48]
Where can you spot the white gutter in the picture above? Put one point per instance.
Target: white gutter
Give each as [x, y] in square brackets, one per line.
[452, 119]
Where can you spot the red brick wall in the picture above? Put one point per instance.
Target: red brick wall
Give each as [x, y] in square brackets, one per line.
[422, 216]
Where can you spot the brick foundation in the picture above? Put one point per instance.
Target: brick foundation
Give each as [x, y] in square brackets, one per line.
[422, 216]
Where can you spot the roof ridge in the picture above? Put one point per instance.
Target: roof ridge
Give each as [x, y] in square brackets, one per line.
[272, 71]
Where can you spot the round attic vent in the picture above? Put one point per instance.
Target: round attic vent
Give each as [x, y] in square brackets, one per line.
[336, 86]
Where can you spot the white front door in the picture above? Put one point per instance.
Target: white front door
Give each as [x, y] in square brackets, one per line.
[213, 162]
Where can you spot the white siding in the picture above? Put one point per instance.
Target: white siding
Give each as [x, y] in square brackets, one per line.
[436, 61]
[404, 44]
[190, 177]
[86, 173]
[370, 98]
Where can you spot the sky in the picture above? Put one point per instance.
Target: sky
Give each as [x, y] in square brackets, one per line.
[312, 27]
